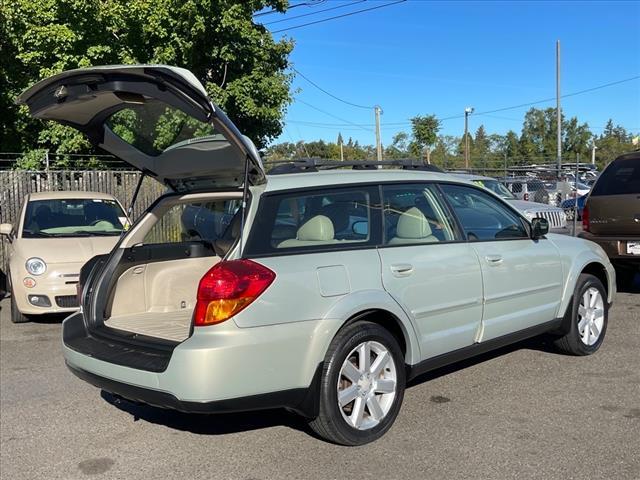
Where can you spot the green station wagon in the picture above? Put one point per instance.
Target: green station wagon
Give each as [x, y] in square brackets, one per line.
[320, 292]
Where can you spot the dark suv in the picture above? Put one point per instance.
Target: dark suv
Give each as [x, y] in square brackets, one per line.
[611, 215]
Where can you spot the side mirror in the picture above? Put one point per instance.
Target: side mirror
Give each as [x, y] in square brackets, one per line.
[361, 227]
[539, 227]
[6, 229]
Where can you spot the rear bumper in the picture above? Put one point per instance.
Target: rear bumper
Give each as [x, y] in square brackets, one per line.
[301, 400]
[222, 368]
[614, 246]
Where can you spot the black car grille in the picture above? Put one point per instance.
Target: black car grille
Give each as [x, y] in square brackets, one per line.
[67, 301]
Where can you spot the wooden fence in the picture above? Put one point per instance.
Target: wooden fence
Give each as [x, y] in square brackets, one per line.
[15, 185]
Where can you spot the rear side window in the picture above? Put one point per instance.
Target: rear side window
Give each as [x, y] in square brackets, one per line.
[483, 217]
[621, 177]
[312, 220]
[201, 221]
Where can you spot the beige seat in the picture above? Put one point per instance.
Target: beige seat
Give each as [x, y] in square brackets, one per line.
[413, 227]
[317, 230]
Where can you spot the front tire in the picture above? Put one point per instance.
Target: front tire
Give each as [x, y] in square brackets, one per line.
[588, 320]
[16, 316]
[362, 385]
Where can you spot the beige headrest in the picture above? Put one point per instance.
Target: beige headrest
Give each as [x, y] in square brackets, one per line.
[317, 229]
[413, 224]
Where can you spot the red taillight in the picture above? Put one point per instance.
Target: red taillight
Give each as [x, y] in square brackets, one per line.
[585, 217]
[229, 287]
[526, 197]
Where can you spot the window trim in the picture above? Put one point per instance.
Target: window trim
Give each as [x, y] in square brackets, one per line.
[377, 215]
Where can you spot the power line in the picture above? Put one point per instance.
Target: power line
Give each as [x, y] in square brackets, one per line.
[302, 4]
[329, 93]
[334, 116]
[339, 16]
[314, 13]
[488, 112]
[562, 96]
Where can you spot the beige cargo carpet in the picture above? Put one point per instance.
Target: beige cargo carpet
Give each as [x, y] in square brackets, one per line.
[173, 326]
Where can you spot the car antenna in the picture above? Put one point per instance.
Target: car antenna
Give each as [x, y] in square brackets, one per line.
[245, 195]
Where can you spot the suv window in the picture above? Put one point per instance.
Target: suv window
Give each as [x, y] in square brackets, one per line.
[199, 221]
[482, 216]
[516, 187]
[330, 219]
[620, 178]
[414, 214]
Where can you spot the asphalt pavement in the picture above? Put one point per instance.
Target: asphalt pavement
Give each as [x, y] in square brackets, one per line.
[522, 412]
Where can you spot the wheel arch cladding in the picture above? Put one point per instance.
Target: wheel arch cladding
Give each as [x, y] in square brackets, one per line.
[600, 272]
[386, 320]
[378, 307]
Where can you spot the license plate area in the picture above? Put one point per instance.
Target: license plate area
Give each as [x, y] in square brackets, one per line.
[633, 248]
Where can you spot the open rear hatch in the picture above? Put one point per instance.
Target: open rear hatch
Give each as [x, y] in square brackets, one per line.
[157, 118]
[160, 120]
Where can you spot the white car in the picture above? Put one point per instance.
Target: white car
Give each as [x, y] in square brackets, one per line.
[56, 234]
[326, 292]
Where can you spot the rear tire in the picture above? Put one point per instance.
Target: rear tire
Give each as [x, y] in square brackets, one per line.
[16, 316]
[364, 367]
[587, 316]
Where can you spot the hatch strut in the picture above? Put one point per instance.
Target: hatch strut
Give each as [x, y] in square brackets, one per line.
[245, 194]
[135, 196]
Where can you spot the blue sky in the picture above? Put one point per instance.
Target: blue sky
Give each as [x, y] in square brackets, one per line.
[421, 57]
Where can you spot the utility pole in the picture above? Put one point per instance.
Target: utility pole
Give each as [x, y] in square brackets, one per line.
[593, 152]
[558, 111]
[467, 111]
[378, 111]
[341, 153]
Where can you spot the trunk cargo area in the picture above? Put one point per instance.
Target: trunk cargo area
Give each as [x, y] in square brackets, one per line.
[157, 299]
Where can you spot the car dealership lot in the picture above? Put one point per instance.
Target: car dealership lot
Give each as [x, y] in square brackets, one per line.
[523, 411]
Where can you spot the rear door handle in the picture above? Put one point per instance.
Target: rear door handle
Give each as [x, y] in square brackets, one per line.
[402, 269]
[494, 259]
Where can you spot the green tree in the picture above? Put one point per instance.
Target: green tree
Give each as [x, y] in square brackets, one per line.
[238, 61]
[424, 132]
[399, 147]
[480, 151]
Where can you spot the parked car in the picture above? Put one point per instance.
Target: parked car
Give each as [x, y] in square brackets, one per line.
[338, 286]
[56, 233]
[611, 215]
[555, 216]
[528, 189]
[569, 206]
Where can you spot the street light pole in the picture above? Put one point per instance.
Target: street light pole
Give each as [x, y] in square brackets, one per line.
[467, 111]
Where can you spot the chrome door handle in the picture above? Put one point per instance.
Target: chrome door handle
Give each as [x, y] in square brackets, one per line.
[402, 269]
[494, 259]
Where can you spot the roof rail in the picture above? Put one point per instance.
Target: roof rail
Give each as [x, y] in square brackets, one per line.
[315, 164]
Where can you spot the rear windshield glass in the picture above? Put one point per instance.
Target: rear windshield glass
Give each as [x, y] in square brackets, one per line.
[331, 219]
[84, 217]
[154, 126]
[620, 178]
